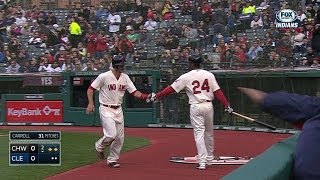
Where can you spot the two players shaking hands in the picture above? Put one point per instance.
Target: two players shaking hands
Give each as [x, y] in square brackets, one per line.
[155, 97]
[200, 85]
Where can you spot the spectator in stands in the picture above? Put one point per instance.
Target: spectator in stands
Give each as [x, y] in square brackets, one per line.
[20, 19]
[308, 58]
[128, 22]
[248, 8]
[101, 12]
[144, 36]
[45, 66]
[310, 10]
[13, 45]
[60, 56]
[75, 32]
[256, 23]
[88, 67]
[82, 51]
[114, 21]
[186, 8]
[85, 12]
[166, 11]
[204, 37]
[83, 23]
[3, 27]
[315, 62]
[254, 51]
[138, 23]
[33, 67]
[315, 41]
[298, 41]
[48, 55]
[91, 40]
[240, 55]
[26, 30]
[274, 59]
[220, 21]
[274, 32]
[206, 12]
[221, 49]
[25, 67]
[189, 32]
[55, 67]
[67, 65]
[125, 46]
[50, 19]
[101, 45]
[176, 29]
[131, 35]
[14, 67]
[150, 24]
[22, 56]
[171, 42]
[35, 39]
[78, 66]
[301, 16]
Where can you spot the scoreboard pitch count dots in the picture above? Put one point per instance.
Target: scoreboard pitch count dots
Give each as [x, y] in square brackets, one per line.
[34, 148]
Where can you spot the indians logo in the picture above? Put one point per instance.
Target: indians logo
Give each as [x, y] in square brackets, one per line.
[286, 18]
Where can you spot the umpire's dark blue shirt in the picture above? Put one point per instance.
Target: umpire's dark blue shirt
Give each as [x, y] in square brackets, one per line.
[294, 108]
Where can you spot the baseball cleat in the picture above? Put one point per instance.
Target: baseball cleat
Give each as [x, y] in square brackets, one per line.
[114, 165]
[100, 154]
[201, 167]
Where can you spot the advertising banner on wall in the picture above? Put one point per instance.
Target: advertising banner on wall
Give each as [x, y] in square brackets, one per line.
[34, 111]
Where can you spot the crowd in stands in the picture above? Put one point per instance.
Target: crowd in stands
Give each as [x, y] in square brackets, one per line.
[241, 33]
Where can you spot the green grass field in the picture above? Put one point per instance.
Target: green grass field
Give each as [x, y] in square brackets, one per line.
[77, 150]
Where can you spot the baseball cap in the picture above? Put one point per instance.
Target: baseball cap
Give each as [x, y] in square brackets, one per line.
[128, 28]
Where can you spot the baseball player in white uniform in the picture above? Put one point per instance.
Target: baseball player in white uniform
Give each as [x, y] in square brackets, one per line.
[112, 86]
[201, 88]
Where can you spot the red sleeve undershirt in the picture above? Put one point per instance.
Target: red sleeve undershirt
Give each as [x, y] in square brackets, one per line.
[165, 92]
[218, 94]
[143, 95]
[92, 88]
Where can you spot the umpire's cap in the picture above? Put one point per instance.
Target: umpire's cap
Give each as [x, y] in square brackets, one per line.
[118, 60]
[195, 59]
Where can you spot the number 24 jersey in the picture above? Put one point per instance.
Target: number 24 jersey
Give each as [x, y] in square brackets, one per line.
[199, 85]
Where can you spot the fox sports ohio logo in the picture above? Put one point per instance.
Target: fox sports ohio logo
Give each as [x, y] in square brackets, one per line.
[286, 18]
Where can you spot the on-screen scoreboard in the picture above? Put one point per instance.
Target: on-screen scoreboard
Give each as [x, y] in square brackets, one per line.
[34, 148]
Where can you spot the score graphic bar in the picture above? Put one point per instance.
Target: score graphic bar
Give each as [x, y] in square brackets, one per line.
[35, 154]
[34, 135]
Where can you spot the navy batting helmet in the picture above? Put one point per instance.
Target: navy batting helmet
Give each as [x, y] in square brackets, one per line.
[195, 59]
[118, 60]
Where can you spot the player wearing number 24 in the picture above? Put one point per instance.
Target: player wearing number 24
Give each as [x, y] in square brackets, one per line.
[201, 87]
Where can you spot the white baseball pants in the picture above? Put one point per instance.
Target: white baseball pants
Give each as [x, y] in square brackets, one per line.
[113, 132]
[201, 117]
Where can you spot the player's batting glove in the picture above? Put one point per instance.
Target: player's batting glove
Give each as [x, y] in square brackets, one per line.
[228, 110]
[151, 97]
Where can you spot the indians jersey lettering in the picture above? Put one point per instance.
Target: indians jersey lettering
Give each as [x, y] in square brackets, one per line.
[199, 84]
[111, 89]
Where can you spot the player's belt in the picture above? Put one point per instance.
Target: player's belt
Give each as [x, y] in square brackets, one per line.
[111, 106]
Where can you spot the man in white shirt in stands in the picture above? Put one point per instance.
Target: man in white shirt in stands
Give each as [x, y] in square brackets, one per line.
[114, 22]
[150, 24]
[256, 23]
[45, 67]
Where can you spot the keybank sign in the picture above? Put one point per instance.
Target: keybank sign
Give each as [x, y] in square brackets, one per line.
[286, 18]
